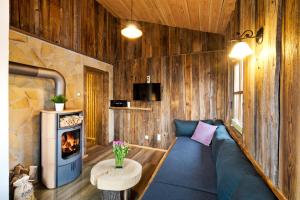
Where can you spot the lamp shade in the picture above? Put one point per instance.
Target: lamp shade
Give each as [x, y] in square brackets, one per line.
[240, 50]
[131, 31]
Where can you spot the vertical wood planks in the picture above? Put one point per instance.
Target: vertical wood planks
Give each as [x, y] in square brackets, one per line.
[96, 105]
[289, 160]
[82, 26]
[192, 88]
[270, 134]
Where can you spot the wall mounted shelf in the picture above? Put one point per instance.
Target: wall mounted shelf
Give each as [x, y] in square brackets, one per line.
[131, 108]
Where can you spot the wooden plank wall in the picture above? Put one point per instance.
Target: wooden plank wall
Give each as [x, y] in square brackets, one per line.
[190, 65]
[86, 27]
[160, 40]
[261, 90]
[192, 88]
[83, 26]
[289, 171]
[271, 110]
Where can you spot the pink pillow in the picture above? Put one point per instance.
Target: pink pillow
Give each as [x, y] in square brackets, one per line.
[204, 133]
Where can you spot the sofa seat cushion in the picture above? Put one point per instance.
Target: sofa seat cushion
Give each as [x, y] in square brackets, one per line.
[172, 192]
[189, 164]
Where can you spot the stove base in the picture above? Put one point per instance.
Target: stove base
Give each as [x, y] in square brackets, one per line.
[68, 173]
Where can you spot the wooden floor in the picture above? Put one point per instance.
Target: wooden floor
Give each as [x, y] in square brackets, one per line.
[82, 189]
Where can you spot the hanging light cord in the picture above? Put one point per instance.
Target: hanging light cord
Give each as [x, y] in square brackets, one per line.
[131, 10]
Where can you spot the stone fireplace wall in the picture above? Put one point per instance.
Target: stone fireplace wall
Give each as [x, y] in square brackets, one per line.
[29, 95]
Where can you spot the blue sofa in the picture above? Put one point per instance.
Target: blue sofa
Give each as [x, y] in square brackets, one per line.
[195, 171]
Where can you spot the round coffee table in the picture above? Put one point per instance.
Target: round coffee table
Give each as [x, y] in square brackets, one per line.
[105, 176]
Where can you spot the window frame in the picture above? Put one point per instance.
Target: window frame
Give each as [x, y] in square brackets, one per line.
[235, 122]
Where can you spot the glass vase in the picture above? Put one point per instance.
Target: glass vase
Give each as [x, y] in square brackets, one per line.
[119, 161]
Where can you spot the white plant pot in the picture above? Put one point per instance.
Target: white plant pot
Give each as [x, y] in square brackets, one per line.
[59, 106]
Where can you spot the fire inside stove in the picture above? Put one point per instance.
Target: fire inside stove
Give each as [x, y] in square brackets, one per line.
[70, 143]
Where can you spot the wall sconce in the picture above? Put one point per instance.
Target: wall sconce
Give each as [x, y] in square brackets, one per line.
[242, 49]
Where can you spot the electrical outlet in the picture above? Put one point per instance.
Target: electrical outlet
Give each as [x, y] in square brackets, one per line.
[148, 79]
[146, 137]
[158, 137]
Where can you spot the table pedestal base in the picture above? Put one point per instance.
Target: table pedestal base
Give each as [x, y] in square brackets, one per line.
[115, 195]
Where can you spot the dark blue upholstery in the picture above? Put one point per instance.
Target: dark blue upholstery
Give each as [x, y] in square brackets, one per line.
[252, 187]
[187, 127]
[194, 171]
[189, 164]
[218, 122]
[162, 191]
[231, 166]
[234, 171]
[220, 136]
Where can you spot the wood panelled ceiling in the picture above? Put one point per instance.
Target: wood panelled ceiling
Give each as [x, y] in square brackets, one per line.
[202, 15]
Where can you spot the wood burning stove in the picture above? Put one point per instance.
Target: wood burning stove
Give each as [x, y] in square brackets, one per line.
[62, 144]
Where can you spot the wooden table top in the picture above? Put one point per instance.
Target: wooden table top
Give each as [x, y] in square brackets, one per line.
[105, 176]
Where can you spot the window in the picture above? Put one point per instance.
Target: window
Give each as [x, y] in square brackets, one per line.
[237, 120]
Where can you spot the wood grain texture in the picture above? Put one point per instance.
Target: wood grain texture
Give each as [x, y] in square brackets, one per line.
[96, 105]
[270, 136]
[289, 173]
[187, 64]
[88, 28]
[131, 108]
[192, 88]
[82, 26]
[261, 102]
[81, 188]
[159, 40]
[206, 15]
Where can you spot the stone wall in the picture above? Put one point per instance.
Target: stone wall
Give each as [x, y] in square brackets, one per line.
[29, 95]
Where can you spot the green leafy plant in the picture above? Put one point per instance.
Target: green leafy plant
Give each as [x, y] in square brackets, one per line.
[120, 150]
[59, 99]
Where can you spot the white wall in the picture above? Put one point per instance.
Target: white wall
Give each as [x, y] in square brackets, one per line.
[4, 29]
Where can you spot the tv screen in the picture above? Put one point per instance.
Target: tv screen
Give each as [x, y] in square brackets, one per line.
[146, 91]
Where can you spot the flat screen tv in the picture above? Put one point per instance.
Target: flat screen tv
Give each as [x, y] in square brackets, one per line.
[146, 91]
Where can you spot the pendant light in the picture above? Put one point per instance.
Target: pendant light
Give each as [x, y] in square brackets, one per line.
[132, 30]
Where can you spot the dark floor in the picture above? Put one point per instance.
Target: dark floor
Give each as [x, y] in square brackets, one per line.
[82, 189]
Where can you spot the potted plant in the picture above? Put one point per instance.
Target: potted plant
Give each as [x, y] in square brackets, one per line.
[59, 102]
[120, 150]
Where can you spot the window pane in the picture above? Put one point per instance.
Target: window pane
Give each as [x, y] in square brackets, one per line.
[237, 120]
[235, 106]
[238, 108]
[236, 77]
[241, 108]
[241, 66]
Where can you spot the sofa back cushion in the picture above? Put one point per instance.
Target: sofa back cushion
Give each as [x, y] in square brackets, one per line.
[221, 135]
[218, 122]
[236, 177]
[252, 188]
[187, 127]
[231, 167]
[204, 133]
